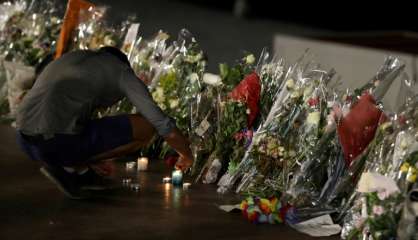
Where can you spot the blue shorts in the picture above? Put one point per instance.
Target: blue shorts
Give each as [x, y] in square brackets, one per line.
[98, 136]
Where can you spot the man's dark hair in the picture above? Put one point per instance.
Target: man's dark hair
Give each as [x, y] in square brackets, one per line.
[117, 53]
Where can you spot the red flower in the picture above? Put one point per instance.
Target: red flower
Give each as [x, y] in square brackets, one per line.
[313, 101]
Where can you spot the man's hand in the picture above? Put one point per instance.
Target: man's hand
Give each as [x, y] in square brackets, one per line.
[178, 142]
[184, 163]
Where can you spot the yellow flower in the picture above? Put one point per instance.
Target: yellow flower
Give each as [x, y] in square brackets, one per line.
[412, 178]
[290, 84]
[405, 167]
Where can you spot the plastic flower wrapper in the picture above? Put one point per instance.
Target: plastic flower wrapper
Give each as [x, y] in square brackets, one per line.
[344, 159]
[247, 167]
[377, 210]
[237, 111]
[260, 169]
[204, 125]
[294, 134]
[177, 81]
[236, 120]
[407, 227]
[387, 158]
[150, 56]
[92, 31]
[8, 9]
[379, 160]
[29, 36]
[189, 66]
[271, 72]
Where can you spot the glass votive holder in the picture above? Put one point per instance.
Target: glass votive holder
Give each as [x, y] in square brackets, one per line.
[177, 178]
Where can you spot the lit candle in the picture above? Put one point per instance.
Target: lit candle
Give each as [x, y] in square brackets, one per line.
[142, 164]
[177, 177]
[126, 181]
[130, 165]
[186, 185]
[166, 180]
[135, 187]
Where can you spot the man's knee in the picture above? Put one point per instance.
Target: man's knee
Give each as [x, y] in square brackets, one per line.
[142, 130]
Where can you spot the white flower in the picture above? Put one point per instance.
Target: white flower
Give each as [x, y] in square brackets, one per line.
[174, 103]
[193, 77]
[290, 84]
[212, 79]
[248, 111]
[250, 59]
[314, 118]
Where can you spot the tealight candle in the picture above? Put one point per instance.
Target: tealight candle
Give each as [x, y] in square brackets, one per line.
[130, 165]
[166, 180]
[186, 186]
[126, 181]
[142, 164]
[135, 187]
[177, 177]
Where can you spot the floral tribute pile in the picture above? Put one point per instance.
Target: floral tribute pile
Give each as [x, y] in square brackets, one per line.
[282, 134]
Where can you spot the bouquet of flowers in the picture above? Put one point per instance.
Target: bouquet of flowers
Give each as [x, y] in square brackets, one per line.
[175, 74]
[292, 135]
[28, 36]
[379, 200]
[93, 33]
[331, 172]
[181, 81]
[234, 117]
[204, 123]
[246, 166]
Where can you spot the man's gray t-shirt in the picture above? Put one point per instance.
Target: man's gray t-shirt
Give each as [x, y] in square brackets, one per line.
[69, 89]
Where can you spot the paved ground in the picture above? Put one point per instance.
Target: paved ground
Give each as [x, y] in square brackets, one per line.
[32, 208]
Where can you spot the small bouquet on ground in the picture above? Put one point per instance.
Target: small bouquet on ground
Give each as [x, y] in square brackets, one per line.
[264, 210]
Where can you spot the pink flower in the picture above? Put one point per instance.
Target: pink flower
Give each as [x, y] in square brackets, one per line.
[378, 210]
[382, 195]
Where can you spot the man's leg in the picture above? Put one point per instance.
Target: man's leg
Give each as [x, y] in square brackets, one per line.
[142, 134]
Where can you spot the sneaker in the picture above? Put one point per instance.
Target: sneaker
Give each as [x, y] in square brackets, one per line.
[63, 180]
[90, 180]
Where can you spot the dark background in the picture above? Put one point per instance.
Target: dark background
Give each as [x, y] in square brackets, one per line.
[225, 29]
